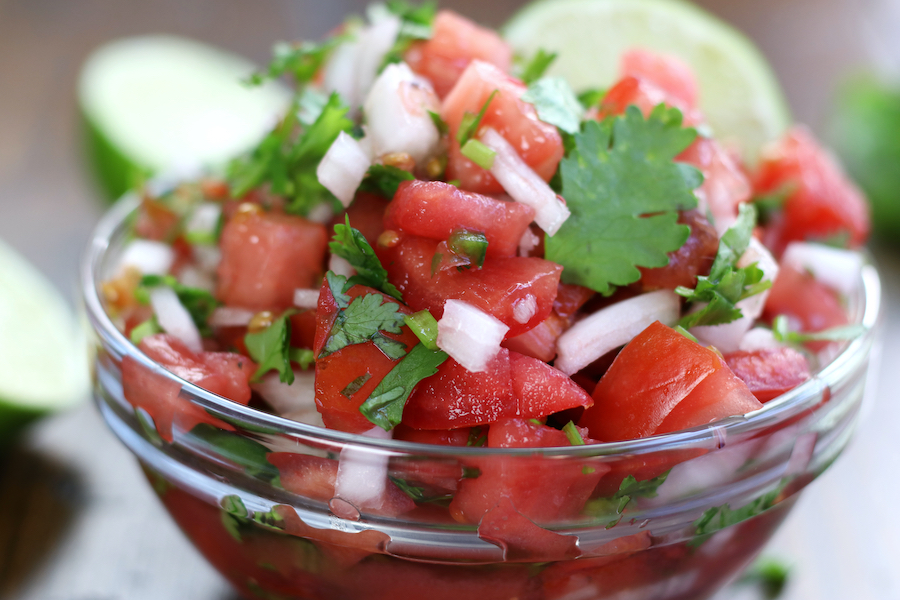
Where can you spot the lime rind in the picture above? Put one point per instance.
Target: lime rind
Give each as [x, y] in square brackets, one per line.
[739, 94]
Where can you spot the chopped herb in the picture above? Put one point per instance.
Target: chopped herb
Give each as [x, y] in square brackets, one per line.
[384, 180]
[555, 103]
[247, 454]
[726, 284]
[302, 356]
[441, 125]
[385, 406]
[686, 333]
[470, 123]
[619, 171]
[471, 244]
[351, 245]
[338, 285]
[477, 437]
[299, 60]
[271, 349]
[355, 385]
[782, 333]
[537, 66]
[415, 24]
[364, 320]
[199, 303]
[479, 153]
[148, 327]
[629, 489]
[424, 325]
[573, 435]
[769, 575]
[591, 98]
[720, 517]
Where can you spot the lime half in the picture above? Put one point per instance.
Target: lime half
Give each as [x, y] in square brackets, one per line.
[43, 351]
[160, 103]
[739, 94]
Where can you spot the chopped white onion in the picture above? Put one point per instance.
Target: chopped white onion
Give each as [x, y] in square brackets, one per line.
[523, 184]
[528, 242]
[207, 258]
[230, 316]
[374, 42]
[524, 309]
[759, 338]
[469, 335]
[727, 336]
[321, 213]
[299, 396]
[837, 268]
[397, 116]
[343, 168]
[341, 266]
[204, 218]
[148, 257]
[340, 73]
[194, 277]
[607, 329]
[362, 473]
[306, 298]
[174, 318]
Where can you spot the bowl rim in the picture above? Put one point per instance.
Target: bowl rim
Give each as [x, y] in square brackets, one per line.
[866, 311]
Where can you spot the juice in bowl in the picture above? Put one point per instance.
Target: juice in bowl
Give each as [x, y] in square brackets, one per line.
[454, 330]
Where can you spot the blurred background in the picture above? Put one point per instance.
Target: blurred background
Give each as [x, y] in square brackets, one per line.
[78, 522]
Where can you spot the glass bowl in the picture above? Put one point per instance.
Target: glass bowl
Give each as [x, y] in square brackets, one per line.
[670, 516]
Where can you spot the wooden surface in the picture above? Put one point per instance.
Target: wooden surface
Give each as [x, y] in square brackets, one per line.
[77, 522]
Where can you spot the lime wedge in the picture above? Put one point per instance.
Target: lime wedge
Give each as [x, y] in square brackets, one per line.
[739, 94]
[157, 104]
[43, 351]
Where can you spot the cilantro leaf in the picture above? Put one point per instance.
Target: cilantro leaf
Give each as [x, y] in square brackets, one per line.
[238, 449]
[555, 103]
[468, 127]
[726, 284]
[384, 180]
[338, 285]
[629, 489]
[619, 171]
[591, 98]
[351, 245]
[834, 334]
[720, 517]
[302, 61]
[415, 24]
[271, 349]
[363, 321]
[385, 406]
[147, 328]
[537, 66]
[199, 303]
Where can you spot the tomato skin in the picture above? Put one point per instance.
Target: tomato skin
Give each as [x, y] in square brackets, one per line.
[433, 209]
[538, 143]
[725, 184]
[266, 256]
[656, 372]
[456, 42]
[366, 214]
[224, 373]
[823, 203]
[521, 539]
[769, 373]
[338, 370]
[496, 288]
[541, 390]
[668, 73]
[695, 257]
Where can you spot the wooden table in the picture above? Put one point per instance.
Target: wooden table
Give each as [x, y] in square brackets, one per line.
[77, 521]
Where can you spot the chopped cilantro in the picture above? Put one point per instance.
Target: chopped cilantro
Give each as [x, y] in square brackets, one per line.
[591, 98]
[537, 66]
[477, 437]
[355, 385]
[555, 103]
[619, 171]
[629, 489]
[441, 125]
[415, 24]
[384, 180]
[148, 327]
[301, 61]
[720, 517]
[769, 575]
[726, 284]
[338, 286]
[351, 245]
[573, 435]
[199, 303]
[239, 450]
[424, 325]
[302, 356]
[468, 127]
[479, 153]
[271, 349]
[471, 244]
[385, 406]
[782, 333]
[364, 320]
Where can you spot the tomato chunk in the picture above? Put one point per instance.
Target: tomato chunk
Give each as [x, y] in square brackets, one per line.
[725, 184]
[769, 373]
[668, 73]
[498, 288]
[223, 373]
[821, 202]
[538, 143]
[652, 376]
[266, 256]
[433, 209]
[695, 257]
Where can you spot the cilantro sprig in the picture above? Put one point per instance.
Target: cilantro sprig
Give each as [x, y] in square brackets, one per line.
[363, 320]
[299, 60]
[351, 245]
[199, 303]
[416, 23]
[624, 190]
[727, 284]
[271, 348]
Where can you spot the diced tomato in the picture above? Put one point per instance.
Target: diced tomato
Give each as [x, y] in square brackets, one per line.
[303, 329]
[725, 184]
[644, 94]
[542, 490]
[496, 288]
[367, 215]
[447, 437]
[539, 342]
[821, 202]
[155, 221]
[769, 373]
[542, 390]
[695, 257]
[538, 143]
[570, 298]
[656, 372]
[355, 364]
[667, 72]
[266, 256]
[433, 209]
[223, 373]
[455, 42]
[521, 539]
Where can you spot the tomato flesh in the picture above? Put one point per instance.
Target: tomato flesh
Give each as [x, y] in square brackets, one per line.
[769, 373]
[668, 73]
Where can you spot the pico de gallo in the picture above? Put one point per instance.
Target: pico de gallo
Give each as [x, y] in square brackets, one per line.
[439, 243]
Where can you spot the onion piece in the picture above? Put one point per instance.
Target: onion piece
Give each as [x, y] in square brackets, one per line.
[837, 268]
[174, 318]
[374, 42]
[759, 338]
[306, 298]
[207, 258]
[285, 398]
[147, 256]
[523, 184]
[341, 266]
[611, 327]
[469, 335]
[230, 316]
[204, 219]
[362, 473]
[343, 168]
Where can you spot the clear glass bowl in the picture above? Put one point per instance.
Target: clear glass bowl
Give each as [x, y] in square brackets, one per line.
[561, 523]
